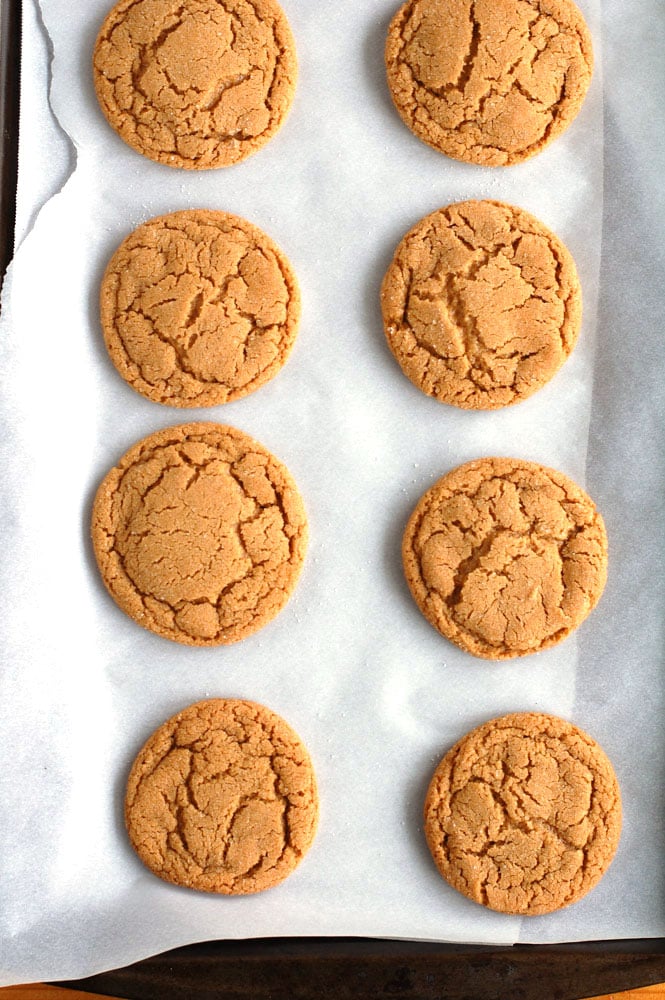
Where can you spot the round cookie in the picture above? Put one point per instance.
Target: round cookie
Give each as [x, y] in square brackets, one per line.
[488, 81]
[481, 305]
[222, 798]
[505, 557]
[198, 308]
[199, 534]
[195, 83]
[523, 815]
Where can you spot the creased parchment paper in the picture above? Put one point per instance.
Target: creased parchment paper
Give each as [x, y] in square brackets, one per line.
[377, 695]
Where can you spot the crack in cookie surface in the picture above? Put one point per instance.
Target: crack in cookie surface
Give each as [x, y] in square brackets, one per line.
[523, 815]
[200, 534]
[195, 83]
[504, 557]
[488, 81]
[198, 308]
[481, 305]
[222, 798]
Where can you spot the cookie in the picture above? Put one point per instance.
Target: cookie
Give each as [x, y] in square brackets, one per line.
[222, 798]
[198, 308]
[505, 557]
[195, 83]
[523, 815]
[199, 534]
[481, 305]
[488, 81]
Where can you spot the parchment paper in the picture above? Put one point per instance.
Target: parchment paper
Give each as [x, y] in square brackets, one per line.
[373, 690]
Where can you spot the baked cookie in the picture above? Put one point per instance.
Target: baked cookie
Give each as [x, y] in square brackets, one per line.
[488, 81]
[481, 305]
[195, 83]
[200, 534]
[222, 798]
[505, 557]
[198, 308]
[523, 815]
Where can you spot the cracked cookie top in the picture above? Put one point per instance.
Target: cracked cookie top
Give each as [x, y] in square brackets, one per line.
[200, 534]
[505, 557]
[198, 308]
[488, 81]
[481, 305]
[195, 83]
[222, 798]
[523, 815]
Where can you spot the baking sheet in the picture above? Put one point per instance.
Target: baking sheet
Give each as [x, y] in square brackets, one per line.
[375, 693]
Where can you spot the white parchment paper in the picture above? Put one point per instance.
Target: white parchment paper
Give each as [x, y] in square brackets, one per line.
[373, 690]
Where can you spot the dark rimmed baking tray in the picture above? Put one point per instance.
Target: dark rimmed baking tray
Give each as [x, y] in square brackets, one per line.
[343, 968]
[10, 49]
[364, 969]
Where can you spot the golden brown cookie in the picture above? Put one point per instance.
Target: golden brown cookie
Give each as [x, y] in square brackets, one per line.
[488, 81]
[222, 798]
[505, 557]
[200, 534]
[481, 305]
[195, 83]
[198, 308]
[523, 815]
